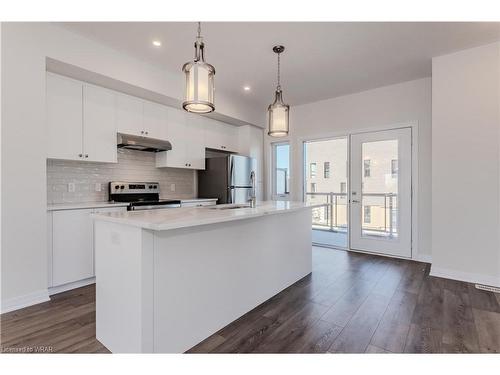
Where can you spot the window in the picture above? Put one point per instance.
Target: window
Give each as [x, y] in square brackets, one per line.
[312, 170]
[326, 169]
[366, 168]
[394, 168]
[313, 187]
[367, 214]
[281, 170]
[343, 187]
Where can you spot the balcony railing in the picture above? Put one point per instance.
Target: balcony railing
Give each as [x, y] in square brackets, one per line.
[379, 220]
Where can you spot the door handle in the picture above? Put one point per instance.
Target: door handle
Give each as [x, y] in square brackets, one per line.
[354, 201]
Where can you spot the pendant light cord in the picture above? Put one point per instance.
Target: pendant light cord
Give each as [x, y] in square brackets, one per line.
[199, 29]
[279, 85]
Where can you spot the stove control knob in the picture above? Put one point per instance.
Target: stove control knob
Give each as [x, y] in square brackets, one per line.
[151, 186]
[117, 186]
[122, 187]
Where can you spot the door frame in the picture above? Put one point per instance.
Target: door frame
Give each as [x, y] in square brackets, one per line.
[361, 243]
[348, 178]
[413, 124]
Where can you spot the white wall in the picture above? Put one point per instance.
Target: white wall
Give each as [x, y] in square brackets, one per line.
[24, 258]
[465, 160]
[25, 47]
[374, 109]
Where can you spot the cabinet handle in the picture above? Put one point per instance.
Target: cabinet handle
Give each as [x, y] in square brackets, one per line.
[80, 155]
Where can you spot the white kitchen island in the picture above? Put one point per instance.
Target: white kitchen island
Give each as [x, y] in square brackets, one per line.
[167, 279]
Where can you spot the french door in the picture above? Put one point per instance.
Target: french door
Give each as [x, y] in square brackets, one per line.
[380, 192]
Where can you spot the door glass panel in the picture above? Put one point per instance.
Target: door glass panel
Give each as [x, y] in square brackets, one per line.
[281, 170]
[379, 189]
[325, 181]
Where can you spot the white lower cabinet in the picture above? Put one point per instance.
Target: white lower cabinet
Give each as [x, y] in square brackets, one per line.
[71, 245]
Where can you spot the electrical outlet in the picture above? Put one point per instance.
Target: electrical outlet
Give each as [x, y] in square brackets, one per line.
[71, 187]
[172, 187]
[98, 186]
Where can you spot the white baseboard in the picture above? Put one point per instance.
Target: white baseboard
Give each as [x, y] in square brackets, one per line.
[26, 300]
[426, 258]
[464, 276]
[69, 286]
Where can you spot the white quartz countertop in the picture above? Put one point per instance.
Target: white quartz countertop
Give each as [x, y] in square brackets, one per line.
[194, 216]
[84, 205]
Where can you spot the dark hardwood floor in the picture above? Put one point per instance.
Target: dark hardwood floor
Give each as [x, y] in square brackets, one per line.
[351, 303]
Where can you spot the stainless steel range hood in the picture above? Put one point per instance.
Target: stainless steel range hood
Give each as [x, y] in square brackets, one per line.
[135, 142]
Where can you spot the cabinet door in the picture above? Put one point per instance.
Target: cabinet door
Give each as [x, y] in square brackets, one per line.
[129, 115]
[195, 132]
[220, 136]
[72, 246]
[177, 134]
[64, 118]
[99, 132]
[155, 120]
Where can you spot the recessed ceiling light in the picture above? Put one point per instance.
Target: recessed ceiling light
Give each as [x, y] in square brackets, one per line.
[246, 88]
[156, 43]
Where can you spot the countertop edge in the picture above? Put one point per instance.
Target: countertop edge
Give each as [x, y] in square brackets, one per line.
[87, 205]
[200, 222]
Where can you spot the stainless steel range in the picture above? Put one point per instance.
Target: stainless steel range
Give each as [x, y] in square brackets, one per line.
[140, 195]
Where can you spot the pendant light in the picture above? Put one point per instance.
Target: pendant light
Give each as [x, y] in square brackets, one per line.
[278, 111]
[199, 91]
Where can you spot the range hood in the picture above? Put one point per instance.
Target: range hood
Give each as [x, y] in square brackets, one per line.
[135, 142]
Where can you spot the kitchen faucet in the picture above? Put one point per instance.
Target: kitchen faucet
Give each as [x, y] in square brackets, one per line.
[253, 197]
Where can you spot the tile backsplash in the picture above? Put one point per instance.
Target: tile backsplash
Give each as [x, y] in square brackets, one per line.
[132, 166]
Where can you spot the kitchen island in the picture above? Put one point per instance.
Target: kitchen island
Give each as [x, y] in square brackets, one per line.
[167, 279]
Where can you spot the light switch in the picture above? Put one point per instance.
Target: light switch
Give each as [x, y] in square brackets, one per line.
[172, 187]
[71, 187]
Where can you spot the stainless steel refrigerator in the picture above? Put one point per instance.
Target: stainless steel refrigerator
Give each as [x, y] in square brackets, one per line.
[227, 177]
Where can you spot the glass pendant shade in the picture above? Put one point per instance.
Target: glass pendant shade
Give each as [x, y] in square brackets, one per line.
[278, 116]
[200, 89]
[199, 95]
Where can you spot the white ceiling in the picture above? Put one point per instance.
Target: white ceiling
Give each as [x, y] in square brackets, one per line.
[322, 60]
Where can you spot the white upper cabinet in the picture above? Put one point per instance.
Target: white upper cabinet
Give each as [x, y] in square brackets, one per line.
[99, 132]
[186, 134]
[80, 121]
[129, 115]
[155, 118]
[64, 118]
[83, 121]
[196, 141]
[220, 136]
[140, 117]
